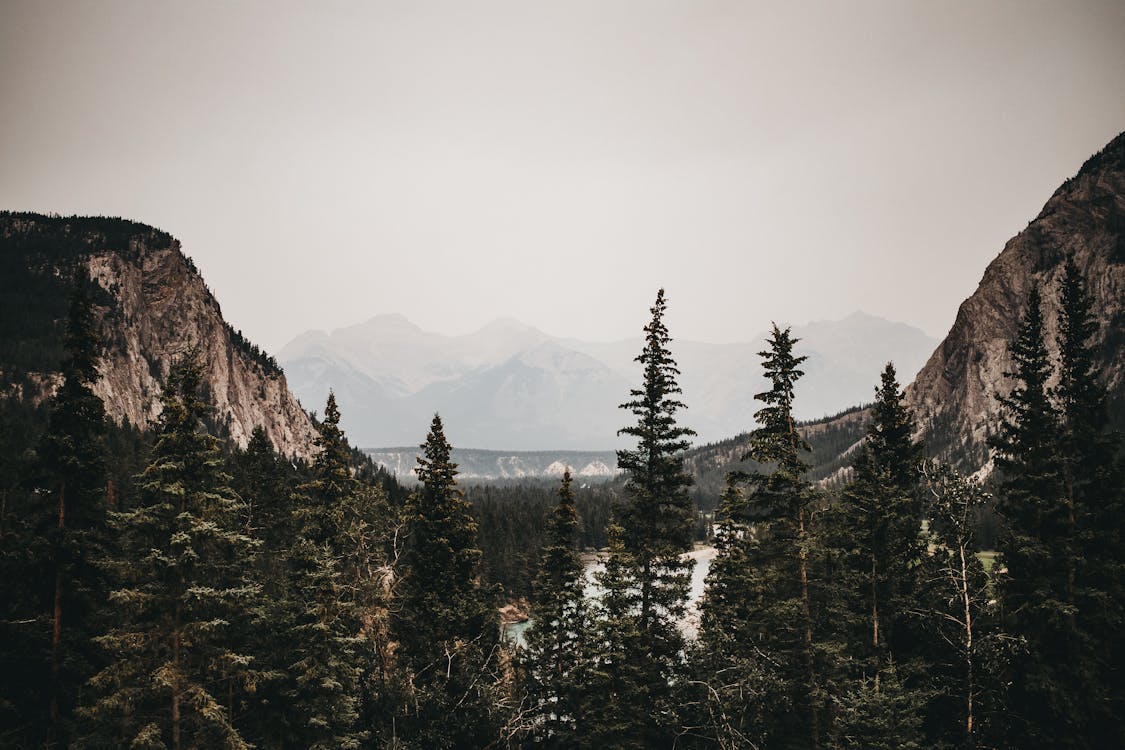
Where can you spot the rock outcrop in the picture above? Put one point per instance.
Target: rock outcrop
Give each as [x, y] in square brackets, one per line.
[954, 394]
[156, 307]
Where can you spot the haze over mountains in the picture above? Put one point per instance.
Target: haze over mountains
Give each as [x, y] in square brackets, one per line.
[518, 390]
[509, 385]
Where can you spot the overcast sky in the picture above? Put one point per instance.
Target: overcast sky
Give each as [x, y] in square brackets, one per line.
[557, 162]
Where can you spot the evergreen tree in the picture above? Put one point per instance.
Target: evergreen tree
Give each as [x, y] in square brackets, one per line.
[744, 687]
[555, 659]
[64, 533]
[657, 524]
[620, 684]
[182, 575]
[444, 621]
[1094, 496]
[266, 483]
[1038, 548]
[879, 713]
[760, 606]
[875, 531]
[334, 591]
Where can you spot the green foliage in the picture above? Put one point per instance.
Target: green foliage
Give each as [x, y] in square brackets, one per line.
[638, 633]
[1037, 534]
[74, 476]
[625, 696]
[182, 586]
[513, 528]
[52, 539]
[555, 661]
[760, 609]
[1094, 494]
[444, 621]
[334, 587]
[879, 713]
[876, 546]
[967, 651]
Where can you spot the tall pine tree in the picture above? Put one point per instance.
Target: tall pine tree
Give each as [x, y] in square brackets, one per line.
[656, 531]
[183, 576]
[617, 696]
[72, 477]
[876, 538]
[334, 590]
[1094, 496]
[1038, 547]
[555, 659]
[443, 619]
[265, 483]
[760, 602]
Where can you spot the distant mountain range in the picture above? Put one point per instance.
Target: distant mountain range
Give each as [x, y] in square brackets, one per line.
[473, 463]
[510, 385]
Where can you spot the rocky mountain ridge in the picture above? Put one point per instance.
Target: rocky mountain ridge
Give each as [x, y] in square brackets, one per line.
[953, 395]
[153, 307]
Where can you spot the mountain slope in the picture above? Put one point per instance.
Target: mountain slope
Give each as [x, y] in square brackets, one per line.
[152, 307]
[512, 386]
[953, 394]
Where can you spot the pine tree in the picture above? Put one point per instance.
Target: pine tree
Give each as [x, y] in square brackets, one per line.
[554, 660]
[64, 536]
[266, 483]
[1094, 496]
[334, 590]
[657, 523]
[879, 713]
[744, 687]
[443, 620]
[1037, 548]
[183, 579]
[622, 676]
[760, 601]
[876, 536]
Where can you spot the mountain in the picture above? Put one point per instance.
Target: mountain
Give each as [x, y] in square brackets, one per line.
[510, 385]
[953, 395]
[484, 464]
[152, 306]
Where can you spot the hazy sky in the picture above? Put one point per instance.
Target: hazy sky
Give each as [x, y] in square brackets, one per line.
[557, 162]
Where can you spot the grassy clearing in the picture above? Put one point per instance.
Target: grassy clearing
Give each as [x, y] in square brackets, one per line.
[988, 560]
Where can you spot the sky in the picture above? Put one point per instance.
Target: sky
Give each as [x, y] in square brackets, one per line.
[325, 162]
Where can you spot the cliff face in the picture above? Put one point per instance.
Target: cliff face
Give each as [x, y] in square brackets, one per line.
[155, 308]
[953, 394]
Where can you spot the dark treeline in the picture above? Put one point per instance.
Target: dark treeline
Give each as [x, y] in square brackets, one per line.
[512, 522]
[168, 590]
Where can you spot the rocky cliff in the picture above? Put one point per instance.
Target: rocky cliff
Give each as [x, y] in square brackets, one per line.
[154, 308]
[953, 395]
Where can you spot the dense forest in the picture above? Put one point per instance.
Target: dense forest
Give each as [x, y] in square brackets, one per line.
[166, 589]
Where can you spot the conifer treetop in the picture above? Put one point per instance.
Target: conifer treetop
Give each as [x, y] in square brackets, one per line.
[777, 439]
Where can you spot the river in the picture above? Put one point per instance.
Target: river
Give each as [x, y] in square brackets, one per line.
[594, 562]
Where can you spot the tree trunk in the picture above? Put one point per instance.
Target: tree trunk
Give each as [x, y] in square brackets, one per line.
[966, 600]
[56, 623]
[814, 713]
[176, 680]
